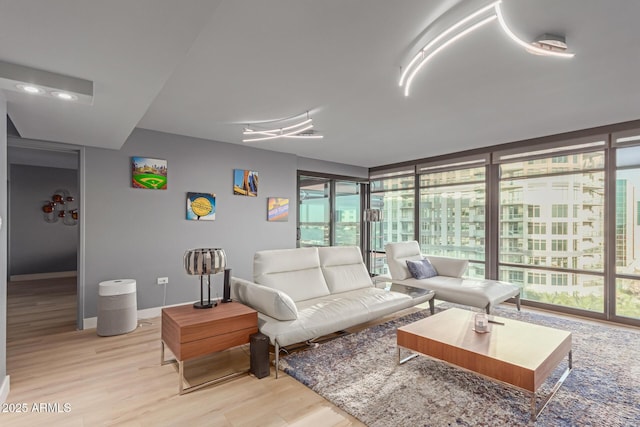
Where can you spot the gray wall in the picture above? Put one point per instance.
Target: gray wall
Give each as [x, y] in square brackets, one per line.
[143, 234]
[3, 240]
[36, 246]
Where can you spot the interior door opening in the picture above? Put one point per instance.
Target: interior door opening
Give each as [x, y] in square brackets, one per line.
[43, 240]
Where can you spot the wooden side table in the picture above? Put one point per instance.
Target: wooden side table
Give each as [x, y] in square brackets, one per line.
[191, 333]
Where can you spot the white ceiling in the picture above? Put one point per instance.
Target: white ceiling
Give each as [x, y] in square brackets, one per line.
[206, 68]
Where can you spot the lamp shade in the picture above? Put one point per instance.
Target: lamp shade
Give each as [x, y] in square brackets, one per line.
[205, 261]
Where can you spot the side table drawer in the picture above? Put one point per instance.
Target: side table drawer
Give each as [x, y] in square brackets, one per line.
[210, 345]
[220, 326]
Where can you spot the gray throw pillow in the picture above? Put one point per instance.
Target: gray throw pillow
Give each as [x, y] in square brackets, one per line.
[421, 269]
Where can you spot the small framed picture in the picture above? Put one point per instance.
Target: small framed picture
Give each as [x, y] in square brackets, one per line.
[201, 206]
[245, 182]
[150, 174]
[277, 209]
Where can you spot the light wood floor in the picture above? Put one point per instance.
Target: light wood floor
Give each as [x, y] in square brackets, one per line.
[119, 380]
[40, 307]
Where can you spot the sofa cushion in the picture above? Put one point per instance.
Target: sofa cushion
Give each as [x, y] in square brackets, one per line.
[272, 302]
[421, 269]
[335, 312]
[296, 272]
[343, 268]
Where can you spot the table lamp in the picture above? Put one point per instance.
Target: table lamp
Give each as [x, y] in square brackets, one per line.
[207, 262]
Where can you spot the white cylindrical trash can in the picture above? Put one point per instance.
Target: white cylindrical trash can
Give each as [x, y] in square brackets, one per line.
[117, 307]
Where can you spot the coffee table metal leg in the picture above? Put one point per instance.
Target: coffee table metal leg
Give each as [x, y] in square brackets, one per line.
[535, 413]
[406, 359]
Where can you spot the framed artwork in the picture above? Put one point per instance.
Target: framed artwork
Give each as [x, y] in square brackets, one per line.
[201, 206]
[150, 174]
[245, 182]
[277, 209]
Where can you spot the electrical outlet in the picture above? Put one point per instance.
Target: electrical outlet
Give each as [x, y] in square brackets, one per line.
[162, 280]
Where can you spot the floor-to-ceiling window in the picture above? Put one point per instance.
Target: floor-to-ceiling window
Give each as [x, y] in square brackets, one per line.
[394, 196]
[551, 225]
[452, 211]
[347, 207]
[329, 211]
[558, 216]
[314, 211]
[627, 226]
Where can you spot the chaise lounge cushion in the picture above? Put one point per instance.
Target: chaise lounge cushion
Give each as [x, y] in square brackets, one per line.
[473, 292]
[399, 253]
[448, 284]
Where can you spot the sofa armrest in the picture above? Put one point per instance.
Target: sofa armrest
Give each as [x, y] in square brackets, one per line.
[269, 301]
[445, 266]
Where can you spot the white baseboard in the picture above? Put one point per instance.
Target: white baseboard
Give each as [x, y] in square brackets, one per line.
[147, 313]
[4, 389]
[90, 323]
[39, 276]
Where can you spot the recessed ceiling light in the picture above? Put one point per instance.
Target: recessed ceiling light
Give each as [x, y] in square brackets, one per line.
[65, 96]
[34, 81]
[30, 88]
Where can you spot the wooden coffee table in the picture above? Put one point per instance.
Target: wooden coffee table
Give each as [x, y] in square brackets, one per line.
[190, 333]
[515, 353]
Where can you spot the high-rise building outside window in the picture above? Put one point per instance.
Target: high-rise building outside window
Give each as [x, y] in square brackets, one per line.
[627, 235]
[540, 187]
[452, 215]
[395, 197]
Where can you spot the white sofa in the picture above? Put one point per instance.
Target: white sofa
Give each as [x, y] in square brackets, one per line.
[448, 284]
[305, 293]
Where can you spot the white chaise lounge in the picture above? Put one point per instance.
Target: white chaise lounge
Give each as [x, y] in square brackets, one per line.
[448, 284]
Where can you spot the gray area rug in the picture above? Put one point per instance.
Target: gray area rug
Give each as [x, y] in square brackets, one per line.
[359, 373]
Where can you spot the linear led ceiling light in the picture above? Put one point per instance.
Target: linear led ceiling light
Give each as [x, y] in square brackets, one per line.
[32, 81]
[301, 129]
[534, 47]
[547, 45]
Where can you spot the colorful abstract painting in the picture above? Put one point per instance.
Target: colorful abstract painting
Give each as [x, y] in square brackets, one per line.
[245, 182]
[277, 209]
[201, 206]
[150, 174]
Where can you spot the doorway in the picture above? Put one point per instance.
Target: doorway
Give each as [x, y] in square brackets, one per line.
[43, 226]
